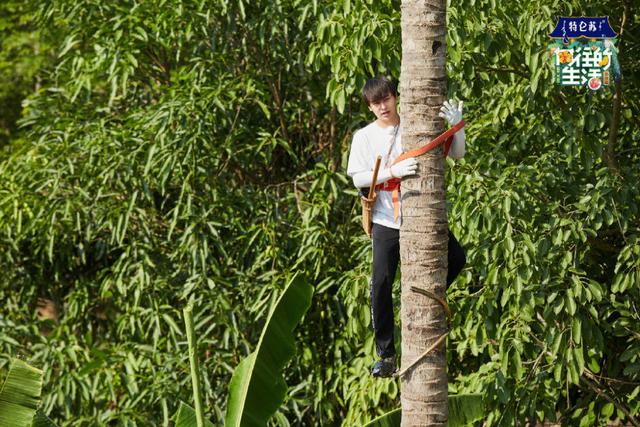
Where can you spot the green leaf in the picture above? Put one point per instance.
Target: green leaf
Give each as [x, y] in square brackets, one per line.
[607, 410]
[534, 80]
[390, 419]
[257, 388]
[595, 289]
[576, 329]
[556, 343]
[454, 55]
[340, 100]
[517, 363]
[578, 356]
[20, 395]
[505, 297]
[533, 61]
[41, 420]
[186, 417]
[193, 362]
[465, 409]
[557, 372]
[572, 369]
[571, 303]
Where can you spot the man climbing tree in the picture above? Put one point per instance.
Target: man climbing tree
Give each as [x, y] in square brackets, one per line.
[381, 139]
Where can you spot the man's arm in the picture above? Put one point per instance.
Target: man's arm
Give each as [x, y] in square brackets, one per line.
[457, 148]
[453, 114]
[403, 168]
[360, 170]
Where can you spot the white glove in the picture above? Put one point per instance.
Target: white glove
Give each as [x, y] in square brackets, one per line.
[451, 112]
[406, 167]
[403, 168]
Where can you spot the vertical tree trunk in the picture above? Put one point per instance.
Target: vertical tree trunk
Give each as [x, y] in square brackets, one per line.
[423, 236]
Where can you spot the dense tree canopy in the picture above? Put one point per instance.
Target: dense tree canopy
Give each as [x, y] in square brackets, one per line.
[159, 153]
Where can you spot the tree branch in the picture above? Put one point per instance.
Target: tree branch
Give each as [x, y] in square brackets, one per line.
[619, 406]
[276, 91]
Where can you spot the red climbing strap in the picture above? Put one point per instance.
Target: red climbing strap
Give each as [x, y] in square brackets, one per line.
[393, 184]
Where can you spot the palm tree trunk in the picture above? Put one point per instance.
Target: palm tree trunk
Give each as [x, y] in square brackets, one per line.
[423, 236]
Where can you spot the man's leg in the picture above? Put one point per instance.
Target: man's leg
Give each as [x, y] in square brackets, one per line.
[386, 255]
[456, 259]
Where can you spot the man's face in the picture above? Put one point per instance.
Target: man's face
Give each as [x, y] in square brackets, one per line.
[385, 109]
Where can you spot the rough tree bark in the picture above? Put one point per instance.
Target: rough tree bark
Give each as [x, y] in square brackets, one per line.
[423, 236]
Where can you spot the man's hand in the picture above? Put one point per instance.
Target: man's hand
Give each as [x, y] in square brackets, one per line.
[451, 112]
[400, 169]
[404, 168]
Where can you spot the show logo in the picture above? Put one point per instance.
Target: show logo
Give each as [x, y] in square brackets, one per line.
[584, 52]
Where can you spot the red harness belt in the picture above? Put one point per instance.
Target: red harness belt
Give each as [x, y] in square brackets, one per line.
[393, 184]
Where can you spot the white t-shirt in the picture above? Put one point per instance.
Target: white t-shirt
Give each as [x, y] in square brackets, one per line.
[368, 143]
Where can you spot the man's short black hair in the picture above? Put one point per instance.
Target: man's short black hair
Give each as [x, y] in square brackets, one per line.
[377, 88]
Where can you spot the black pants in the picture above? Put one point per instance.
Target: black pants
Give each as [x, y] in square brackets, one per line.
[386, 256]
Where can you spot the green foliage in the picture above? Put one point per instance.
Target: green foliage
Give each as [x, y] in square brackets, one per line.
[368, 28]
[41, 420]
[24, 53]
[547, 219]
[463, 410]
[390, 419]
[188, 151]
[186, 417]
[257, 388]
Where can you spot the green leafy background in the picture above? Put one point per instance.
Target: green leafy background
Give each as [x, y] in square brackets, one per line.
[158, 153]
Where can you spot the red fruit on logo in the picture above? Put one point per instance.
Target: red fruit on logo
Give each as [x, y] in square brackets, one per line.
[594, 83]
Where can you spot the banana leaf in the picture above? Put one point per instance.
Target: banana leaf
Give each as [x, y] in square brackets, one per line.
[464, 409]
[20, 395]
[257, 388]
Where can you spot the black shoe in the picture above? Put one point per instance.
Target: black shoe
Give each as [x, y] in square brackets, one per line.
[384, 368]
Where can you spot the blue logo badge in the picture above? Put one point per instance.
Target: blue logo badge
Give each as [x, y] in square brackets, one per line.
[576, 27]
